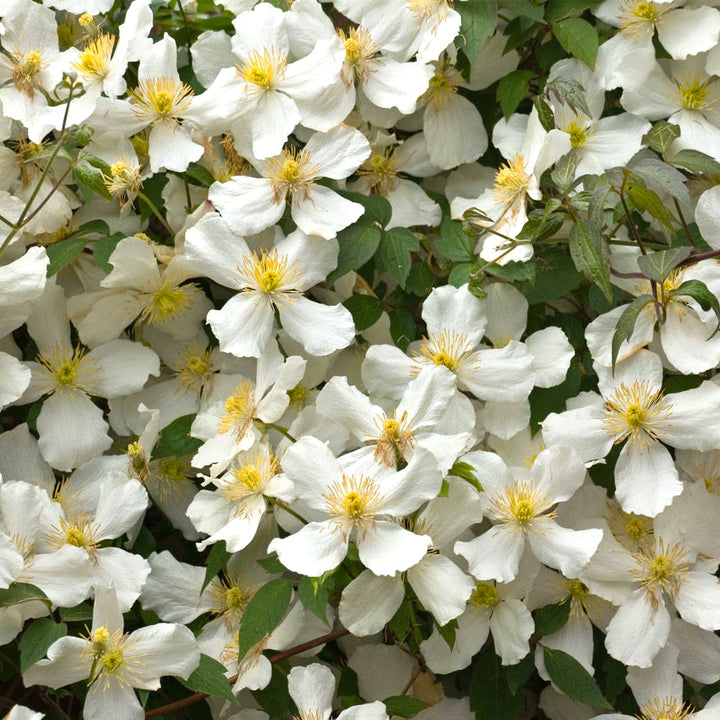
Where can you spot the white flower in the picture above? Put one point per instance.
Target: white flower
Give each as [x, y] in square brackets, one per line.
[115, 662]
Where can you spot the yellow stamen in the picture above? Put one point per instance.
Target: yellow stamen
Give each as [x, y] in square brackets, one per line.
[239, 410]
[353, 502]
[160, 99]
[636, 411]
[448, 348]
[291, 171]
[360, 50]
[379, 172]
[485, 595]
[94, 61]
[167, 304]
[264, 69]
[272, 274]
[523, 507]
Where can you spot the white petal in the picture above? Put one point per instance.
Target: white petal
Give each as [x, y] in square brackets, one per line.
[698, 600]
[163, 649]
[455, 133]
[441, 587]
[247, 204]
[123, 367]
[172, 148]
[387, 548]
[495, 555]
[312, 688]
[320, 329]
[567, 550]
[276, 116]
[315, 549]
[369, 602]
[511, 625]
[321, 211]
[243, 326]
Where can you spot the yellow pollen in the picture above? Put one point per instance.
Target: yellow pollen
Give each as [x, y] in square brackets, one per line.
[511, 181]
[172, 469]
[578, 589]
[395, 438]
[100, 637]
[636, 528]
[360, 50]
[291, 171]
[160, 99]
[195, 367]
[112, 661]
[522, 506]
[661, 570]
[578, 134]
[353, 502]
[68, 368]
[646, 11]
[94, 61]
[485, 595]
[239, 410]
[694, 93]
[709, 484]
[76, 537]
[66, 374]
[123, 183]
[86, 19]
[427, 9]
[665, 709]
[443, 85]
[167, 303]
[264, 69]
[529, 460]
[639, 19]
[249, 480]
[79, 531]
[636, 411]
[448, 348]
[272, 274]
[297, 395]
[379, 172]
[137, 461]
[25, 69]
[249, 477]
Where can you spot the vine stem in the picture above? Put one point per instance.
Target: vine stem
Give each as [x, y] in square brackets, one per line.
[197, 697]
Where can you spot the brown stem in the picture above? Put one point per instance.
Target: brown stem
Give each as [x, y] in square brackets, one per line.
[197, 697]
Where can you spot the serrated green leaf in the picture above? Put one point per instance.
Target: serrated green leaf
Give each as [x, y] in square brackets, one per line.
[658, 265]
[477, 23]
[541, 226]
[524, 8]
[626, 324]
[700, 292]
[216, 560]
[63, 253]
[512, 89]
[570, 92]
[37, 638]
[563, 174]
[490, 696]
[661, 176]
[175, 440]
[696, 162]
[551, 618]
[646, 200]
[402, 327]
[357, 244]
[578, 37]
[313, 594]
[104, 248]
[573, 679]
[201, 175]
[592, 260]
[263, 613]
[271, 564]
[454, 243]
[403, 706]
[90, 180]
[365, 310]
[513, 271]
[460, 274]
[395, 248]
[661, 136]
[545, 114]
[466, 472]
[209, 678]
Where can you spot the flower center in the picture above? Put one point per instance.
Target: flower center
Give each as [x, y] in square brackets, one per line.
[264, 69]
[661, 569]
[249, 480]
[395, 438]
[511, 181]
[297, 395]
[379, 172]
[694, 93]
[229, 598]
[270, 273]
[448, 348]
[353, 501]
[666, 709]
[94, 61]
[290, 172]
[578, 134]
[195, 367]
[167, 303]
[360, 50]
[239, 410]
[160, 99]
[485, 595]
[123, 182]
[67, 369]
[25, 68]
[636, 411]
[522, 506]
[443, 85]
[79, 531]
[172, 469]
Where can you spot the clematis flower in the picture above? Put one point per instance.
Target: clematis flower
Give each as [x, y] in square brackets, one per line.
[114, 663]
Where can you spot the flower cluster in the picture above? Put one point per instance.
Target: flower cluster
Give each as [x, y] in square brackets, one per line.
[359, 359]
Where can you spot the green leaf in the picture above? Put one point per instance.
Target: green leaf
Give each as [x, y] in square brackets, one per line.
[569, 92]
[696, 162]
[563, 174]
[646, 200]
[512, 89]
[698, 291]
[517, 675]
[378, 209]
[545, 114]
[477, 24]
[513, 271]
[661, 176]
[420, 280]
[395, 248]
[403, 706]
[274, 699]
[661, 136]
[271, 564]
[313, 594]
[558, 10]
[399, 623]
[78, 613]
[175, 440]
[524, 8]
[466, 472]
[357, 244]
[490, 696]
[573, 679]
[63, 253]
[37, 638]
[365, 310]
[578, 37]
[460, 274]
[551, 618]
[596, 209]
[90, 180]
[454, 243]
[402, 327]
[216, 560]
[626, 324]
[541, 226]
[556, 275]
[201, 175]
[658, 265]
[104, 248]
[591, 259]
[209, 678]
[263, 613]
